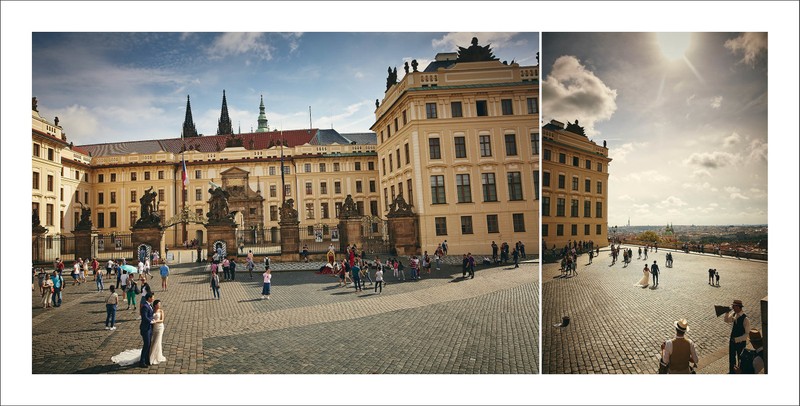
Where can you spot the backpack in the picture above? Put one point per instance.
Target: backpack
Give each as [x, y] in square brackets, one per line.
[136, 289]
[746, 361]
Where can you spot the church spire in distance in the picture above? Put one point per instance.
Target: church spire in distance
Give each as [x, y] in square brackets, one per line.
[263, 123]
[224, 125]
[188, 123]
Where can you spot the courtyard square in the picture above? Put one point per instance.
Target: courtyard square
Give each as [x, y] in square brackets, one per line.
[617, 328]
[438, 325]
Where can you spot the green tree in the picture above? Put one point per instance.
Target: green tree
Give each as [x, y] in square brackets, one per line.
[649, 236]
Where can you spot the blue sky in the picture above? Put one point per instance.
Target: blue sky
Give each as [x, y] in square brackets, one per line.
[684, 115]
[130, 86]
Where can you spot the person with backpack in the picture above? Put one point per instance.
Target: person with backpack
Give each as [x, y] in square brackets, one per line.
[752, 361]
[215, 285]
[131, 290]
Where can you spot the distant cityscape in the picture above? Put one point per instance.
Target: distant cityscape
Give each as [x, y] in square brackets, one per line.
[744, 237]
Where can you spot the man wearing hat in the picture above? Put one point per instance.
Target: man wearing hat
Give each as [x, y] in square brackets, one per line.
[738, 341]
[678, 352]
[752, 361]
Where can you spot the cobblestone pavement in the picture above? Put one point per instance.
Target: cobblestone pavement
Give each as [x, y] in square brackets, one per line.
[440, 324]
[617, 328]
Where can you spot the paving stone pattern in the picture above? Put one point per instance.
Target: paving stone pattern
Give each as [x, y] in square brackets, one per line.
[617, 328]
[440, 324]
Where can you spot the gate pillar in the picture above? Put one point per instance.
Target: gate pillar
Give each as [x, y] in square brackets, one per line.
[403, 227]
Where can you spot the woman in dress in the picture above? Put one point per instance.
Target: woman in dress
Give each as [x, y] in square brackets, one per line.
[645, 281]
[156, 355]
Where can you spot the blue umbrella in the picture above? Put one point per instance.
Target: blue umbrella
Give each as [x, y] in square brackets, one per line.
[130, 268]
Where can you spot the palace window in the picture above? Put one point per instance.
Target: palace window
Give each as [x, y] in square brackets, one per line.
[489, 187]
[441, 225]
[545, 206]
[430, 110]
[36, 181]
[359, 187]
[486, 145]
[337, 187]
[492, 225]
[461, 147]
[463, 190]
[435, 150]
[519, 222]
[514, 186]
[560, 206]
[587, 208]
[507, 107]
[466, 224]
[49, 183]
[323, 188]
[455, 109]
[511, 144]
[573, 208]
[482, 108]
[533, 106]
[133, 196]
[437, 189]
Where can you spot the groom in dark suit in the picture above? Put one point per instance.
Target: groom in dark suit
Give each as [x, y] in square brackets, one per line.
[654, 270]
[146, 329]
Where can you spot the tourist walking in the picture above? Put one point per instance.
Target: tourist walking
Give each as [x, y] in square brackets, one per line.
[111, 308]
[444, 248]
[98, 280]
[379, 278]
[109, 267]
[164, 271]
[232, 266]
[515, 255]
[711, 272]
[131, 290]
[146, 330]
[471, 265]
[250, 266]
[58, 285]
[215, 285]
[156, 354]
[355, 274]
[226, 269]
[739, 332]
[494, 252]
[267, 282]
[678, 352]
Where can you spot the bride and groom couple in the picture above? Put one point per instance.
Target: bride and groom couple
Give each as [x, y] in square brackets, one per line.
[151, 328]
[645, 281]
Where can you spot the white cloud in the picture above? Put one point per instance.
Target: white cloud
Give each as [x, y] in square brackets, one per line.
[732, 139]
[701, 173]
[750, 45]
[712, 160]
[573, 92]
[690, 100]
[235, 43]
[758, 151]
[359, 75]
[648, 176]
[451, 41]
[619, 154]
[625, 198]
[716, 102]
[670, 202]
[327, 121]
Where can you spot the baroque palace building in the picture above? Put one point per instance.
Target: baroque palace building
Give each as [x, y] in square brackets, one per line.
[321, 168]
[460, 141]
[574, 186]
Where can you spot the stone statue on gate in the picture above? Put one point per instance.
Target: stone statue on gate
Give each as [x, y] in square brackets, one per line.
[85, 222]
[349, 209]
[37, 226]
[288, 212]
[399, 208]
[475, 53]
[218, 212]
[148, 210]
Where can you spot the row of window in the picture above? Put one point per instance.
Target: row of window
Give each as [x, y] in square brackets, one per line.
[337, 187]
[492, 224]
[37, 152]
[573, 230]
[573, 208]
[482, 108]
[324, 168]
[562, 179]
[576, 161]
[464, 188]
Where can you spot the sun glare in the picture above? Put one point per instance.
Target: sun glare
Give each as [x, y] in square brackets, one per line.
[673, 44]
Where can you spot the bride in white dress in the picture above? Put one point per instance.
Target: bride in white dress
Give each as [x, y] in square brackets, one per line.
[645, 281]
[156, 356]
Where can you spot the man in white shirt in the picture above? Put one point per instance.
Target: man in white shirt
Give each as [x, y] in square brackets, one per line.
[76, 272]
[678, 352]
[739, 331]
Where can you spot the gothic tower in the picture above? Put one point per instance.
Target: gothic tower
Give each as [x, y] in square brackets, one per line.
[188, 124]
[263, 123]
[225, 126]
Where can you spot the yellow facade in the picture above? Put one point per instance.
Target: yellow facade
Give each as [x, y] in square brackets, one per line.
[574, 188]
[443, 134]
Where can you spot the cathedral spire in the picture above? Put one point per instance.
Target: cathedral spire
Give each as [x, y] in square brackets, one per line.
[225, 126]
[188, 123]
[263, 123]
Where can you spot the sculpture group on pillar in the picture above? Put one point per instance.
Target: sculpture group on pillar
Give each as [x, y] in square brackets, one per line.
[37, 226]
[148, 210]
[289, 213]
[218, 212]
[85, 222]
[392, 78]
[475, 53]
[399, 208]
[349, 209]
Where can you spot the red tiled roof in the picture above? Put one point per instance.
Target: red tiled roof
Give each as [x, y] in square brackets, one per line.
[206, 143]
[80, 150]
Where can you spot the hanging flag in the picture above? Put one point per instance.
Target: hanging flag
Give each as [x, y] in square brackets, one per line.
[184, 175]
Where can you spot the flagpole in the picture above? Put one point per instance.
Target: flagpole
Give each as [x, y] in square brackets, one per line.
[283, 178]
